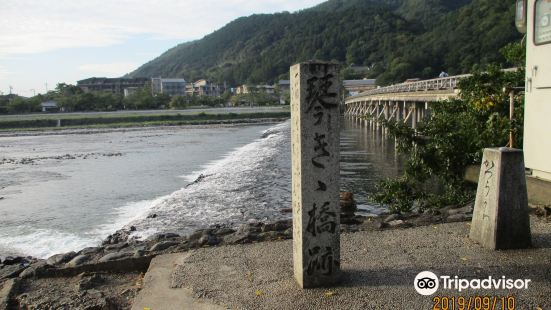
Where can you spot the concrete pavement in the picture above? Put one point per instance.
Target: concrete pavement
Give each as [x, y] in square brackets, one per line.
[379, 268]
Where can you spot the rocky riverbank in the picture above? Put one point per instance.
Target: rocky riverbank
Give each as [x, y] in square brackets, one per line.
[109, 276]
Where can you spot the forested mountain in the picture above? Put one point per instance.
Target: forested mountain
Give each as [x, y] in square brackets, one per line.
[396, 39]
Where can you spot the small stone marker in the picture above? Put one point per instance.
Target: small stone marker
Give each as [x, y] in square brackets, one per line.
[315, 121]
[501, 220]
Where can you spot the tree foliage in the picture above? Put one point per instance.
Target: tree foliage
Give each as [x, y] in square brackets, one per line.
[452, 139]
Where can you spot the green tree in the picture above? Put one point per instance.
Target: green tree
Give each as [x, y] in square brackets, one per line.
[178, 102]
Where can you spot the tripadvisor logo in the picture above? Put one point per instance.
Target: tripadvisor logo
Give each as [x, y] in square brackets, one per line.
[426, 283]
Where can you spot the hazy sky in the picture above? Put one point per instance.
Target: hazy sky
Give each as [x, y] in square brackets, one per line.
[52, 41]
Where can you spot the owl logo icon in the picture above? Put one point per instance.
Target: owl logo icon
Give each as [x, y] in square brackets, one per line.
[426, 283]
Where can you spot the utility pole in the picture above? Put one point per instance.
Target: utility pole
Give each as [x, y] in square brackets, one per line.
[46, 85]
[33, 90]
[11, 88]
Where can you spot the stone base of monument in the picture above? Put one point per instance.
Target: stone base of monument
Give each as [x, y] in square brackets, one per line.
[501, 214]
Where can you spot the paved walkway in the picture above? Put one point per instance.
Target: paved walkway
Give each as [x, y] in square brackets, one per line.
[378, 271]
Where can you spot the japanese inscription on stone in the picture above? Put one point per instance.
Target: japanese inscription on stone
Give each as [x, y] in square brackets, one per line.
[315, 173]
[500, 217]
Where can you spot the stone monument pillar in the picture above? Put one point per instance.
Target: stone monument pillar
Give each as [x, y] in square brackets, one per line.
[501, 220]
[315, 121]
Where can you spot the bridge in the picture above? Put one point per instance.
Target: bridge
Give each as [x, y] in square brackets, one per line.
[406, 102]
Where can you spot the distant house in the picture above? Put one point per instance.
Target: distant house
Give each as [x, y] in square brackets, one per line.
[284, 85]
[268, 89]
[205, 88]
[49, 106]
[242, 89]
[354, 87]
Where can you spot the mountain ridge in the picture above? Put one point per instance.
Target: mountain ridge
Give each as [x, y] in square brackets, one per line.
[396, 39]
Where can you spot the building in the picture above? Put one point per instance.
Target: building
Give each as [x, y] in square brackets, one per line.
[111, 85]
[354, 87]
[245, 89]
[49, 106]
[534, 19]
[267, 89]
[204, 88]
[130, 91]
[168, 86]
[284, 85]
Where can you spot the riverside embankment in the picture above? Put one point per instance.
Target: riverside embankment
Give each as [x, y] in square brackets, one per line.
[122, 119]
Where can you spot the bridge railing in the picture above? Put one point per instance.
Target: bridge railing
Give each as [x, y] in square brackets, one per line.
[424, 85]
[443, 83]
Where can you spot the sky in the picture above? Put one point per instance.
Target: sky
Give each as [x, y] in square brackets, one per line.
[45, 42]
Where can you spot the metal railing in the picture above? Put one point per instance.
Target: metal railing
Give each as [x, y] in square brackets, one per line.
[445, 83]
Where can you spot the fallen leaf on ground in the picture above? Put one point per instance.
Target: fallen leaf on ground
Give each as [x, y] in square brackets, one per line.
[464, 259]
[330, 293]
[259, 293]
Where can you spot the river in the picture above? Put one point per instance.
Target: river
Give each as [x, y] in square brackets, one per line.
[64, 192]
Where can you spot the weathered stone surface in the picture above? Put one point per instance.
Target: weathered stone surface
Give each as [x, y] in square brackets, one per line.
[34, 269]
[90, 250]
[164, 236]
[459, 217]
[315, 173]
[208, 240]
[347, 203]
[501, 214]
[393, 217]
[223, 231]
[277, 226]
[237, 238]
[398, 224]
[10, 271]
[116, 247]
[78, 260]
[465, 210]
[113, 256]
[163, 245]
[10, 260]
[60, 258]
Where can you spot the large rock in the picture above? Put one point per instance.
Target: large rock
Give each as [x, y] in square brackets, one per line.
[13, 260]
[161, 246]
[78, 261]
[347, 203]
[90, 250]
[209, 240]
[60, 258]
[34, 269]
[114, 256]
[11, 271]
[116, 247]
